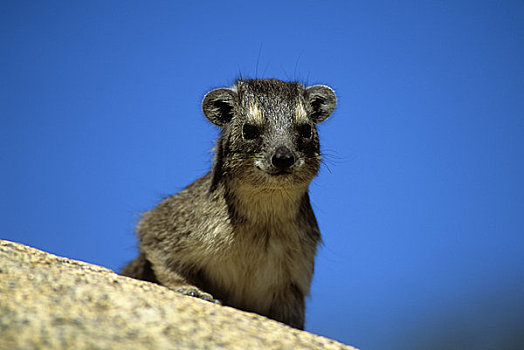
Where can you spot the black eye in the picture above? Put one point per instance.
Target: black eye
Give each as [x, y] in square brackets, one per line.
[305, 131]
[250, 132]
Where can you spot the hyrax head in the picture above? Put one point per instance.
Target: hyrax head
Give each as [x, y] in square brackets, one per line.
[268, 137]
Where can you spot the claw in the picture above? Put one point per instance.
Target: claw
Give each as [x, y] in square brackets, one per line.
[197, 293]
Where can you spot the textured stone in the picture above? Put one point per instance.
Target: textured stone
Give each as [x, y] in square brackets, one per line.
[49, 302]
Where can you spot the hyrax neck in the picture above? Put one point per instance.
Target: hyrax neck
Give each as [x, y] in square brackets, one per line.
[265, 206]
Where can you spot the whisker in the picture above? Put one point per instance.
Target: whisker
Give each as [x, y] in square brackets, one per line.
[326, 165]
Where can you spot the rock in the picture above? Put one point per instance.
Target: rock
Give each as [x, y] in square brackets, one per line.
[50, 302]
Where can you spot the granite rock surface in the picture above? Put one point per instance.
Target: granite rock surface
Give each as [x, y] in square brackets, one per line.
[50, 302]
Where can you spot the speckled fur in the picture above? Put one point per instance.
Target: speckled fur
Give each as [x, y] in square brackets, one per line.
[245, 233]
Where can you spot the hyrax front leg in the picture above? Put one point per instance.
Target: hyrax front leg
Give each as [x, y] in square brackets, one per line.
[142, 269]
[175, 281]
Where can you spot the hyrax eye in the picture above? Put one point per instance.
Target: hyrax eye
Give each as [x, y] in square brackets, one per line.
[305, 131]
[250, 131]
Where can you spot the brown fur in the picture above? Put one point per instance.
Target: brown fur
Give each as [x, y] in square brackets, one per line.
[245, 233]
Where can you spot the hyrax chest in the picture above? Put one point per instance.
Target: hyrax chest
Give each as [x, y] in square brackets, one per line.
[258, 264]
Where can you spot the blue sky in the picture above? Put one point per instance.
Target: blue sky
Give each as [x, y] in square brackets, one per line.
[421, 200]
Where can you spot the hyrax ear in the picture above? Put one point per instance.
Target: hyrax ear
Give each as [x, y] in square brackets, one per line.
[322, 100]
[217, 106]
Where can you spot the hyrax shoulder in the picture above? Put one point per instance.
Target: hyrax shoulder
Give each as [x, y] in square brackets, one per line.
[245, 233]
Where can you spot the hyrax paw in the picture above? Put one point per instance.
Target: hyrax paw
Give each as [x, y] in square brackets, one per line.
[195, 292]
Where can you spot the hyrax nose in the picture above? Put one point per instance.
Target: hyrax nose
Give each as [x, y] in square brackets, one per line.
[283, 158]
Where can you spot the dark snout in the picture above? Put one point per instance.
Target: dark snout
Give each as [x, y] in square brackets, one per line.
[283, 158]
